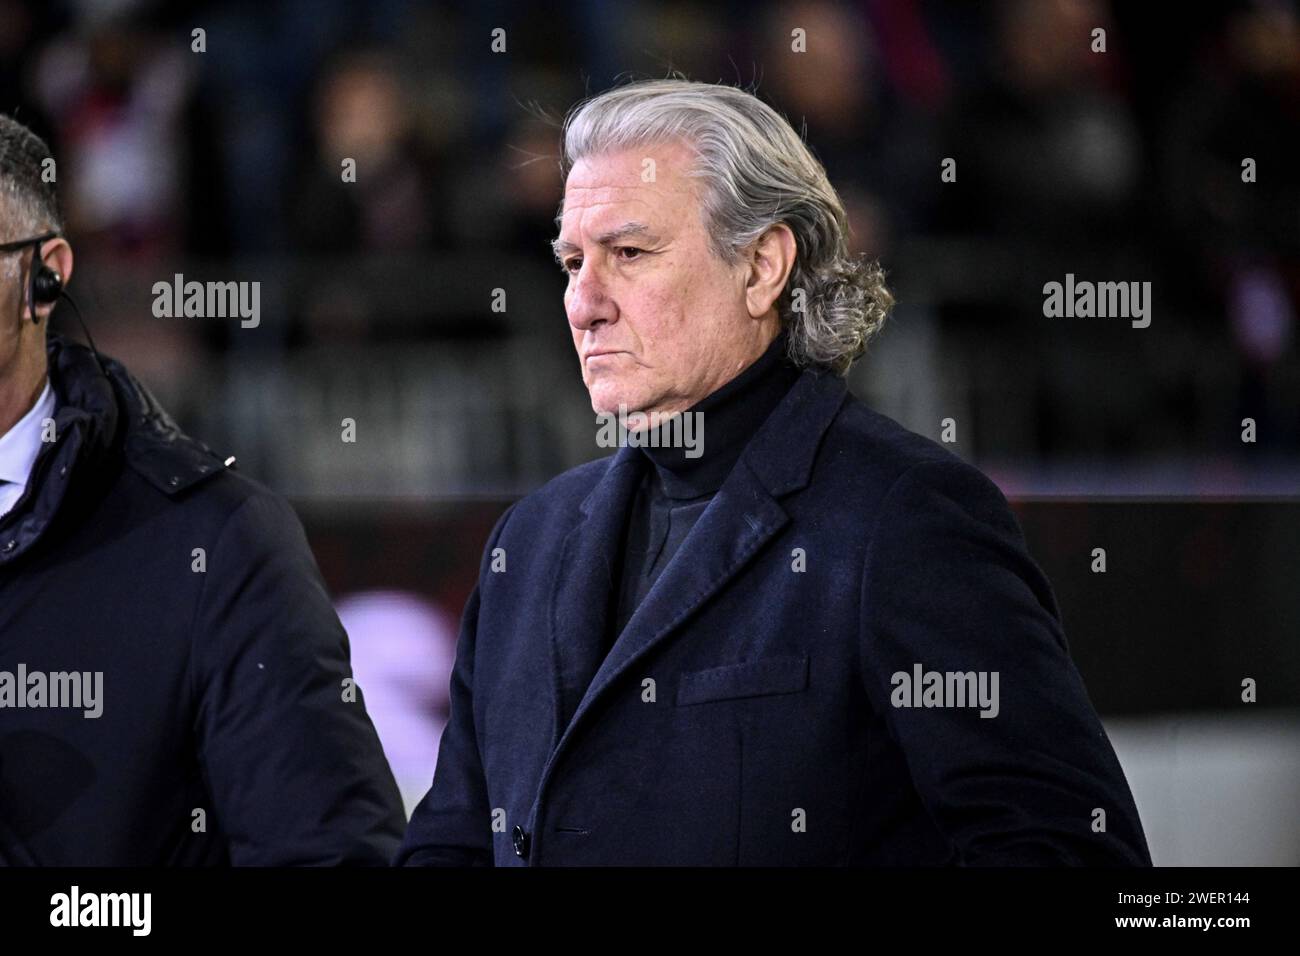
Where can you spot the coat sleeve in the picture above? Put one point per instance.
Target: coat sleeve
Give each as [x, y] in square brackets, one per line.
[294, 767]
[452, 825]
[949, 585]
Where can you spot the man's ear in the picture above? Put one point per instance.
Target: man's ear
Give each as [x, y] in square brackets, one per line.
[55, 254]
[770, 259]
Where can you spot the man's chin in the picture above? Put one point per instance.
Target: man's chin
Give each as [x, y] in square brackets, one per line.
[611, 402]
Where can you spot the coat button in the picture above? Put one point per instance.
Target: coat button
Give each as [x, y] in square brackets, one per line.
[521, 842]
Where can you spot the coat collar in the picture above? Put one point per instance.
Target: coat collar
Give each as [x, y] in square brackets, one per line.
[100, 414]
[741, 518]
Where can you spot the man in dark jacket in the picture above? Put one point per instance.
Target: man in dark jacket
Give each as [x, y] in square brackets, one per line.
[174, 684]
[776, 627]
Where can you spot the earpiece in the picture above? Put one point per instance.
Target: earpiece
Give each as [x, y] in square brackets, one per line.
[47, 286]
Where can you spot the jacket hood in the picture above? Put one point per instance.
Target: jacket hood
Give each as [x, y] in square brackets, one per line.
[100, 415]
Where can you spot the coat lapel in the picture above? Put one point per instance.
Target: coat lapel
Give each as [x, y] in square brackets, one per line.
[736, 524]
[585, 581]
[741, 519]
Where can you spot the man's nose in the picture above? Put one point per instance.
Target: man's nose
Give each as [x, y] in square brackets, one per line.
[588, 302]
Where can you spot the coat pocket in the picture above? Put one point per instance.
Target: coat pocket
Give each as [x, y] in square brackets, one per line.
[783, 674]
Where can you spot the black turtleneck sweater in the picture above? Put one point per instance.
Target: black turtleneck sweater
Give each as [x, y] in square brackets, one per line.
[676, 491]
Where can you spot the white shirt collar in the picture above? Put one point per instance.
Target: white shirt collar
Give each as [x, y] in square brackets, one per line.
[21, 444]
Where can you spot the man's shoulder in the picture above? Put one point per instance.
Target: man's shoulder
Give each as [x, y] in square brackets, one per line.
[203, 503]
[178, 472]
[184, 483]
[873, 450]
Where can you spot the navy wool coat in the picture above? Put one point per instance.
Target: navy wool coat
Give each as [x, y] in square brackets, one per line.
[749, 714]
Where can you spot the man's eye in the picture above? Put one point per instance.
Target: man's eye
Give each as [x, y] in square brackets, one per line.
[572, 265]
[628, 253]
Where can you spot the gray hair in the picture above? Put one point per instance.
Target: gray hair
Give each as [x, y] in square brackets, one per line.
[28, 202]
[757, 172]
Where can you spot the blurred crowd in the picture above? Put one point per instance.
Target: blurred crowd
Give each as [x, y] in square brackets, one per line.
[221, 157]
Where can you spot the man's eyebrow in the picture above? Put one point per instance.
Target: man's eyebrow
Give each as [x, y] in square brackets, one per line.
[562, 247]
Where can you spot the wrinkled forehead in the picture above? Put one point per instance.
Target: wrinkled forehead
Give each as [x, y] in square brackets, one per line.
[646, 183]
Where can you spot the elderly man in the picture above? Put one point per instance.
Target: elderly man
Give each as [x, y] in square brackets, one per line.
[821, 641]
[174, 683]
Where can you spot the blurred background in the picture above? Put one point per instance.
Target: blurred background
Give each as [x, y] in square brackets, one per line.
[377, 295]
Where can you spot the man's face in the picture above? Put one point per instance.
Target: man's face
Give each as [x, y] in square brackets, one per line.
[658, 320]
